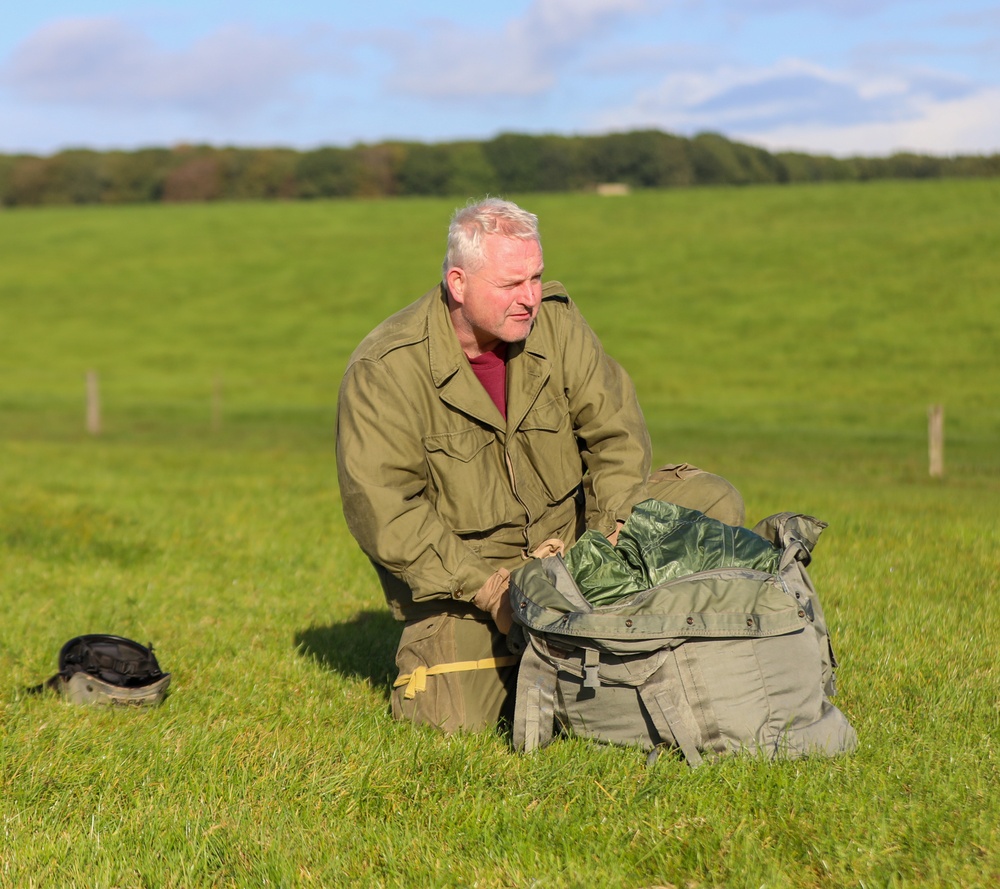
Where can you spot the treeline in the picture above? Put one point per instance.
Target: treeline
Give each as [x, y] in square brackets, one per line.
[508, 163]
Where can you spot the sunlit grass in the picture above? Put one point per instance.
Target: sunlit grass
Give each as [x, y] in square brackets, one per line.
[790, 338]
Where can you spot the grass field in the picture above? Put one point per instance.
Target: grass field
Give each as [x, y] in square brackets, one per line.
[790, 339]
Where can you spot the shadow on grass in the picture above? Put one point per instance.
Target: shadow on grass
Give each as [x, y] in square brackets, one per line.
[361, 648]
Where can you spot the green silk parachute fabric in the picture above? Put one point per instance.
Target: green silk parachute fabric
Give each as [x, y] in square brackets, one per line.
[659, 542]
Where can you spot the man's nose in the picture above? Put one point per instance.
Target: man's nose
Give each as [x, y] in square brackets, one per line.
[529, 293]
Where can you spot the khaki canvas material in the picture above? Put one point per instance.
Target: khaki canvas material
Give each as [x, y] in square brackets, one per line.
[465, 700]
[440, 491]
[83, 688]
[470, 700]
[725, 660]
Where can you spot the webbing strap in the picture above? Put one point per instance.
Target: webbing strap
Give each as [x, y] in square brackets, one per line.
[667, 712]
[416, 681]
[591, 668]
[533, 719]
[662, 710]
[113, 664]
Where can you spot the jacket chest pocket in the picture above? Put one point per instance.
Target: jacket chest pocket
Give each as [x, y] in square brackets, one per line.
[549, 445]
[467, 479]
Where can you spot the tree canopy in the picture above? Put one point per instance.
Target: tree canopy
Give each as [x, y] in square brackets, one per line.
[510, 162]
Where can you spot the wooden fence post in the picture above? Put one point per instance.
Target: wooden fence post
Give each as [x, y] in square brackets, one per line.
[935, 439]
[93, 403]
[217, 403]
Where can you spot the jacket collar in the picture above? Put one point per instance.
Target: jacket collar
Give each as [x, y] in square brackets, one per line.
[527, 370]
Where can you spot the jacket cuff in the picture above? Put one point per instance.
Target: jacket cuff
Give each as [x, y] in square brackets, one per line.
[606, 523]
[471, 574]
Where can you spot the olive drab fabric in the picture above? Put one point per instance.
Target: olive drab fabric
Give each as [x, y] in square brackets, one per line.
[729, 658]
[661, 541]
[440, 491]
[455, 673]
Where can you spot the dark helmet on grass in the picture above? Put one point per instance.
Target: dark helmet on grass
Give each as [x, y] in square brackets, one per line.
[104, 669]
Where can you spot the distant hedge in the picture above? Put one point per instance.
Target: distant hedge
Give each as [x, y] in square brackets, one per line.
[511, 162]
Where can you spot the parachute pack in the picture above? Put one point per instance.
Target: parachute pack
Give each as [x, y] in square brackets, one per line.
[705, 638]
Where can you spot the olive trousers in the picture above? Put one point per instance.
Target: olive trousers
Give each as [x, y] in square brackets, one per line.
[455, 672]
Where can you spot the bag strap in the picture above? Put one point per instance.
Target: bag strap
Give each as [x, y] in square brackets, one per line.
[669, 726]
[96, 661]
[534, 703]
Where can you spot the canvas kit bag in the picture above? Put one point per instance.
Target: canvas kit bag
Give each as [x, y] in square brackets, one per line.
[734, 657]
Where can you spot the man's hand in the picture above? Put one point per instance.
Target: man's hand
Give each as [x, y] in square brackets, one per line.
[493, 599]
[551, 547]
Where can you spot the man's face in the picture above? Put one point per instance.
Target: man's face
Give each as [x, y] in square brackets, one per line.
[498, 301]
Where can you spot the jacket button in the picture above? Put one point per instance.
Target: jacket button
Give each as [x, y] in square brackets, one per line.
[628, 623]
[749, 621]
[690, 621]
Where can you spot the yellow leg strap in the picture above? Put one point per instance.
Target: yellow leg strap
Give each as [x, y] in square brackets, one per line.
[417, 680]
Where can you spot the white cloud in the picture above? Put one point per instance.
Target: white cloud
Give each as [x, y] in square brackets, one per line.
[885, 85]
[561, 21]
[968, 125]
[550, 65]
[712, 99]
[103, 62]
[444, 60]
[454, 63]
[827, 7]
[798, 104]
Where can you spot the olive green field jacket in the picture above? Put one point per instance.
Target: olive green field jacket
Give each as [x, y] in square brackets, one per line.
[439, 490]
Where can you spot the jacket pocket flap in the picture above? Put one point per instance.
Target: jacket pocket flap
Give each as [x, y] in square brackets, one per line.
[463, 445]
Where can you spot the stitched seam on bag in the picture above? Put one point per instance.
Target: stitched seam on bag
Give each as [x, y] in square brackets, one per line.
[697, 684]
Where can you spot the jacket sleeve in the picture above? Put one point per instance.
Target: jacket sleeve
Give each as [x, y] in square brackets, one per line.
[382, 475]
[609, 425]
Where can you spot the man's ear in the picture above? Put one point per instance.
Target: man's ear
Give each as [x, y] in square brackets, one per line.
[455, 279]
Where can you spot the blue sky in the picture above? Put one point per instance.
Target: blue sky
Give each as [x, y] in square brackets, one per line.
[826, 76]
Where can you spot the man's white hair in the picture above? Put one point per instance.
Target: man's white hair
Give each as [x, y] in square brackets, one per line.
[490, 216]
